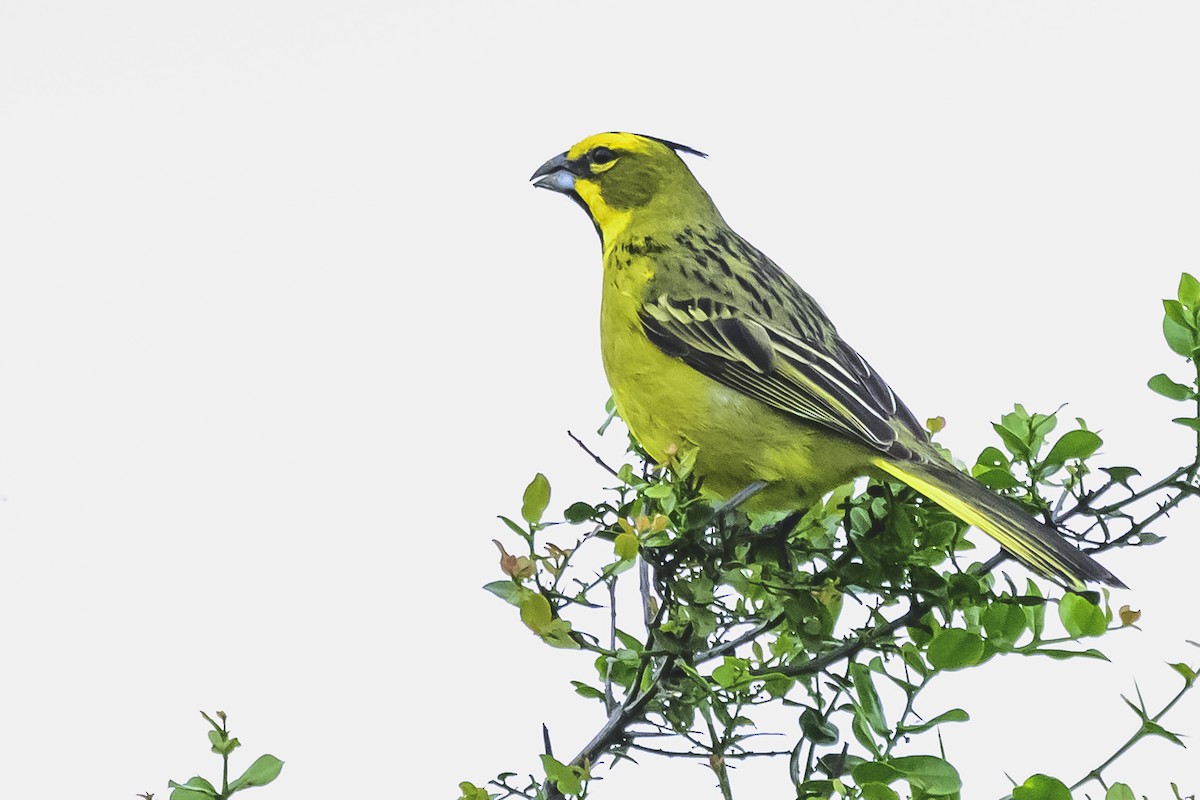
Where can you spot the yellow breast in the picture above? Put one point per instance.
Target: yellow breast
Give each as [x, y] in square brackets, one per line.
[669, 406]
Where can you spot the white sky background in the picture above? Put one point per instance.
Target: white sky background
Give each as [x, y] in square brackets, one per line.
[283, 327]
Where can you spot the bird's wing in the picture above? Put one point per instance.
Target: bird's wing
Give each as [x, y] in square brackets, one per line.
[824, 382]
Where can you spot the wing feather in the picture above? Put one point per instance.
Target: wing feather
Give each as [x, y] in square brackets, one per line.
[824, 382]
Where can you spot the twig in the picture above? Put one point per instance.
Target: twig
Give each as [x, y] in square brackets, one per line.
[644, 586]
[595, 457]
[745, 638]
[614, 729]
[610, 702]
[741, 755]
[1141, 733]
[716, 758]
[853, 646]
[1163, 509]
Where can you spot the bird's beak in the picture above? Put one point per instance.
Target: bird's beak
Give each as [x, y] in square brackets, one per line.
[555, 175]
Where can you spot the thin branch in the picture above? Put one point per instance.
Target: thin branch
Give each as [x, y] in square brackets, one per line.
[749, 636]
[740, 755]
[716, 758]
[1141, 733]
[644, 586]
[1162, 511]
[595, 457]
[851, 647]
[610, 702]
[614, 729]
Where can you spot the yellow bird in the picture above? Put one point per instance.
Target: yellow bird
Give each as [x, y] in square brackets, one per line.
[709, 345]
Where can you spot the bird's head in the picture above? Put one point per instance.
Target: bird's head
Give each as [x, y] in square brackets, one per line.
[617, 176]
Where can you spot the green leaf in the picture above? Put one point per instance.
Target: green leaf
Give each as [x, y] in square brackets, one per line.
[658, 491]
[564, 777]
[776, 684]
[997, 479]
[222, 745]
[626, 546]
[661, 539]
[839, 765]
[868, 698]
[1179, 337]
[1189, 674]
[1074, 445]
[1035, 615]
[912, 657]
[815, 788]
[1154, 729]
[953, 715]
[629, 641]
[535, 612]
[265, 769]
[862, 732]
[196, 788]
[875, 772]
[535, 499]
[1004, 622]
[507, 591]
[558, 634]
[1041, 787]
[1041, 424]
[1189, 291]
[732, 672]
[1168, 388]
[610, 410]
[1081, 617]
[1177, 313]
[579, 512]
[1188, 422]
[992, 458]
[617, 567]
[469, 791]
[1120, 474]
[590, 692]
[954, 648]
[877, 791]
[929, 774]
[1012, 442]
[817, 730]
[1061, 655]
[514, 527]
[1119, 791]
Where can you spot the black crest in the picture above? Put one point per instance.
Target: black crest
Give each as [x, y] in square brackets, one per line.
[678, 148]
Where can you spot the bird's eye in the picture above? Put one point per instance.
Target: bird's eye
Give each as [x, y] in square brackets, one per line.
[602, 155]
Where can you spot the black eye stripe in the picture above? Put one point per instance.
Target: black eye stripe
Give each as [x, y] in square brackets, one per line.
[601, 155]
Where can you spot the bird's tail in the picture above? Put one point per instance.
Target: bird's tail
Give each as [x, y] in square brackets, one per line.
[1034, 544]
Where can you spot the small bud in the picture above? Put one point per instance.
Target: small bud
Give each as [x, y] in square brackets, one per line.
[519, 567]
[1129, 616]
[557, 552]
